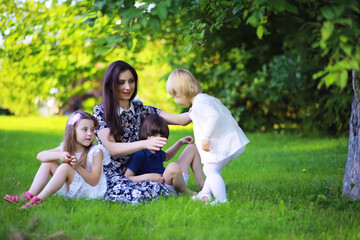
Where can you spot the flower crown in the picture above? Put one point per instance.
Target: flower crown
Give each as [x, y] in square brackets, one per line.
[73, 119]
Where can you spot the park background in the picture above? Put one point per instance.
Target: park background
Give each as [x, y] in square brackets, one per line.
[283, 68]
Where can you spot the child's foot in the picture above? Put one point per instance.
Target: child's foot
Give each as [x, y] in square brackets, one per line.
[218, 202]
[33, 202]
[18, 198]
[202, 197]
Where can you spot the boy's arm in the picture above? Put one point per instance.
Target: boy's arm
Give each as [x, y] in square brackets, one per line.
[133, 167]
[144, 177]
[170, 153]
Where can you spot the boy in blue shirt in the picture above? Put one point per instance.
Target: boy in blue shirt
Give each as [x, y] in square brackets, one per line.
[148, 165]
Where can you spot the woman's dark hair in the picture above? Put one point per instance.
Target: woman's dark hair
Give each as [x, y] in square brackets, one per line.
[153, 124]
[111, 97]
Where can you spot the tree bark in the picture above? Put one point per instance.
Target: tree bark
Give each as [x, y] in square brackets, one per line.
[351, 182]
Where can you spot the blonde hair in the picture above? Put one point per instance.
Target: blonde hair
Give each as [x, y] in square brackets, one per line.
[70, 134]
[182, 83]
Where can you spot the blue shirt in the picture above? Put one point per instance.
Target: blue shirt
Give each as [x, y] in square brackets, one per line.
[144, 161]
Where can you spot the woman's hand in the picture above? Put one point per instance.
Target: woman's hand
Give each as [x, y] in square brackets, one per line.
[64, 157]
[155, 143]
[75, 163]
[156, 177]
[205, 145]
[186, 140]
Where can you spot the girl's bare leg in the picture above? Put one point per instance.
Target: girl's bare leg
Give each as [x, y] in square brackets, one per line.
[64, 174]
[42, 176]
[190, 158]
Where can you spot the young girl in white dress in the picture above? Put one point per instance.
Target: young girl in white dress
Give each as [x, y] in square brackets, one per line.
[218, 137]
[79, 173]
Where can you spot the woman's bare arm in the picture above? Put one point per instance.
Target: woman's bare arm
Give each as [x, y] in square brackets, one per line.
[176, 119]
[115, 148]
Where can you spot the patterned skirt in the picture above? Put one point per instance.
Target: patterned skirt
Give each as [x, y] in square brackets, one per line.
[123, 190]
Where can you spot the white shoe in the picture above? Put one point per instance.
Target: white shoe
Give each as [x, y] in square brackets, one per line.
[217, 202]
[202, 197]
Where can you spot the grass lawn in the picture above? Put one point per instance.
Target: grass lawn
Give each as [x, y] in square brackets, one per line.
[285, 186]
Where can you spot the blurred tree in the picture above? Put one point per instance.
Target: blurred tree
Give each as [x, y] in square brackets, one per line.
[46, 54]
[51, 59]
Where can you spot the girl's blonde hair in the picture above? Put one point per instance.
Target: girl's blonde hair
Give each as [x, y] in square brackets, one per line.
[70, 134]
[182, 83]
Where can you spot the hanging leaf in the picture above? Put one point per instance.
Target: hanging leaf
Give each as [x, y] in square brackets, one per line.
[260, 31]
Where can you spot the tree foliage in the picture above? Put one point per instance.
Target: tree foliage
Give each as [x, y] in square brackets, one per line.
[49, 53]
[273, 63]
[45, 54]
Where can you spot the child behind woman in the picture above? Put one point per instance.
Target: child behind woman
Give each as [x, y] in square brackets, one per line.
[148, 165]
[218, 137]
[79, 173]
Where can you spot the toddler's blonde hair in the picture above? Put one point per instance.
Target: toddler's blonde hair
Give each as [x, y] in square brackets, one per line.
[182, 83]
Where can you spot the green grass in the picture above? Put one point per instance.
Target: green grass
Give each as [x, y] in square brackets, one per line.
[270, 197]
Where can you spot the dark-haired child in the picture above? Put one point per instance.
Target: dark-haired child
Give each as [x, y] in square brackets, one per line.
[148, 165]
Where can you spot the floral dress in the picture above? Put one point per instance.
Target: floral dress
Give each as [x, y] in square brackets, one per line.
[120, 188]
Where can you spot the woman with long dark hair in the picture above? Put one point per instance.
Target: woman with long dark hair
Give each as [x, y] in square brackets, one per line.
[119, 118]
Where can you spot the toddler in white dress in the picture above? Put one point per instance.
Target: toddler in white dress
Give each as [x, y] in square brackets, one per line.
[218, 137]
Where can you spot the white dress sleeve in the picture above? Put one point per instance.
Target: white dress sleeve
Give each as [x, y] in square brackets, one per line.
[93, 152]
[106, 155]
[204, 108]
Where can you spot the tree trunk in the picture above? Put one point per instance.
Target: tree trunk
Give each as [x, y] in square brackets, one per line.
[351, 182]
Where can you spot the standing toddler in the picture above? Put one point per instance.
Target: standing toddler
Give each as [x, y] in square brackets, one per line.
[218, 137]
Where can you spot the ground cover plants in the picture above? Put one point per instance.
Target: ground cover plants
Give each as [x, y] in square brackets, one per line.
[285, 186]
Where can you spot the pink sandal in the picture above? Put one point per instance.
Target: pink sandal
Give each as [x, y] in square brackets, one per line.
[33, 202]
[17, 198]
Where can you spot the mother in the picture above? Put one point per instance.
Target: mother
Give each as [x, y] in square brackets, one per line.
[120, 118]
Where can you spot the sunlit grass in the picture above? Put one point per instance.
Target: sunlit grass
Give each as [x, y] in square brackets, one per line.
[270, 196]
[33, 124]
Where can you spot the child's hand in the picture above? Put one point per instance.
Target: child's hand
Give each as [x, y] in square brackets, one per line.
[186, 140]
[205, 145]
[155, 143]
[65, 157]
[156, 177]
[74, 162]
